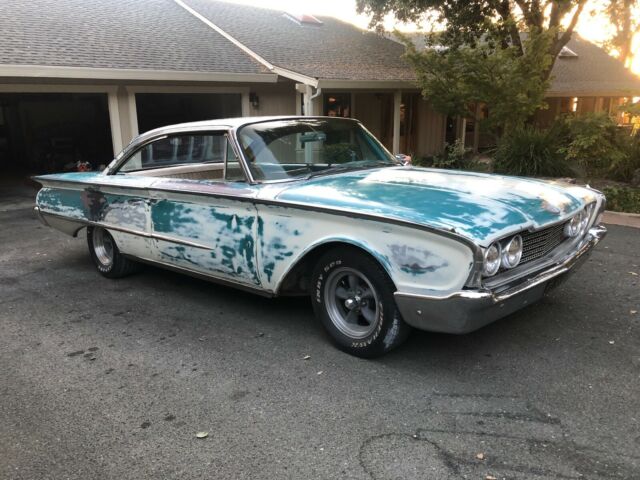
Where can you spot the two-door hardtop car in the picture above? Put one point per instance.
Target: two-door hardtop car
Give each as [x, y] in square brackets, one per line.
[316, 205]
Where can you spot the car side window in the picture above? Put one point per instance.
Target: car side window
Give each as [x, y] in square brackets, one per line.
[177, 150]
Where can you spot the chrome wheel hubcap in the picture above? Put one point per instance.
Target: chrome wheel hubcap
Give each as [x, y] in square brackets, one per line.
[352, 302]
[103, 246]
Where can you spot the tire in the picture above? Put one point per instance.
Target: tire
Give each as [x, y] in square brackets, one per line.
[353, 298]
[106, 256]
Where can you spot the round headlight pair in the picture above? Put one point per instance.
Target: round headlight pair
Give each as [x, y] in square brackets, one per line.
[508, 257]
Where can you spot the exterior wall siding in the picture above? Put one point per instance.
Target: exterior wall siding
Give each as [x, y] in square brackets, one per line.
[278, 99]
[431, 129]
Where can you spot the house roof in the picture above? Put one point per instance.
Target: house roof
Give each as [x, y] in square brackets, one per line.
[592, 72]
[213, 40]
[155, 35]
[332, 50]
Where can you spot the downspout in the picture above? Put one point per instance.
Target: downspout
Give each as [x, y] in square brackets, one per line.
[309, 96]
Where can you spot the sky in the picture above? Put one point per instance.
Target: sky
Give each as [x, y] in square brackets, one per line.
[591, 27]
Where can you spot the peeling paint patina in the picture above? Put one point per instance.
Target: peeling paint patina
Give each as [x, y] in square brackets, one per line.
[416, 261]
[256, 234]
[479, 206]
[225, 230]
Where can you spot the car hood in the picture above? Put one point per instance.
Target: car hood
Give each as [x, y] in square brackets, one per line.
[478, 206]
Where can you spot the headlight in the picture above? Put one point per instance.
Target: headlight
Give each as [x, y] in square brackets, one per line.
[512, 252]
[587, 213]
[492, 259]
[572, 227]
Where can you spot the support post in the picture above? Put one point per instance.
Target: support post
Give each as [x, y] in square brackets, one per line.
[308, 101]
[476, 128]
[133, 113]
[114, 121]
[463, 130]
[397, 101]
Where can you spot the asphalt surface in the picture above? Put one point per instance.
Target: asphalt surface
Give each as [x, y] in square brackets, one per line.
[106, 379]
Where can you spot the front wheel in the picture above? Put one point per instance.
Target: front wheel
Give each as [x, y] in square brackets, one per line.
[106, 256]
[353, 298]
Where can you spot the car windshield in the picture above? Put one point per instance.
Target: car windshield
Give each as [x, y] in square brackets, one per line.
[298, 148]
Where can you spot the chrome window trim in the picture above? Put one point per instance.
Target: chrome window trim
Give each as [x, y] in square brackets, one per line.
[157, 134]
[253, 181]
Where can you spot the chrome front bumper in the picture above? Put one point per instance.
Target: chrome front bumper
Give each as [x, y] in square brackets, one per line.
[467, 310]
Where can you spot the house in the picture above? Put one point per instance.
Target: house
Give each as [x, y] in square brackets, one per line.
[80, 78]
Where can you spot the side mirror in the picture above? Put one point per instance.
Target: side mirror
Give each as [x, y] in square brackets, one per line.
[404, 159]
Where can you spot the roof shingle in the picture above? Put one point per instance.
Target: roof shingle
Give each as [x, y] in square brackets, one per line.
[116, 34]
[335, 50]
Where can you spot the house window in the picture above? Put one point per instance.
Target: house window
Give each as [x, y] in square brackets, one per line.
[337, 105]
[574, 104]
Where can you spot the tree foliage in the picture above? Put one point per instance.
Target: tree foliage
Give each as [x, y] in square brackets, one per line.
[467, 22]
[478, 54]
[512, 84]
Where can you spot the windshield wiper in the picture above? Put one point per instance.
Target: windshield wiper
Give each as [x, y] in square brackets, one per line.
[346, 167]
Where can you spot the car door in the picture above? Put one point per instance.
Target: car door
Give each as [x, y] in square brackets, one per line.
[207, 224]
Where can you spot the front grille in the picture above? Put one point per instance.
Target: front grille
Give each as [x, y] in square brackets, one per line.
[539, 243]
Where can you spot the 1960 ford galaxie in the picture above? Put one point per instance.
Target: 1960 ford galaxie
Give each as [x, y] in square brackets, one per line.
[288, 206]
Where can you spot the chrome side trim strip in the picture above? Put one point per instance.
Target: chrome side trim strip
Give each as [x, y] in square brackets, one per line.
[131, 231]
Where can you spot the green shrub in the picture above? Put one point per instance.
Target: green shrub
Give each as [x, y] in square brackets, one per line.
[623, 199]
[597, 144]
[426, 161]
[625, 168]
[453, 157]
[530, 151]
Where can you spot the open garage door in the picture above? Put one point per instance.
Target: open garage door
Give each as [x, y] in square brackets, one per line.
[161, 109]
[51, 132]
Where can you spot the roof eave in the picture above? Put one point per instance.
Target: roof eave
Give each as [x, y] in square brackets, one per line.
[367, 84]
[597, 92]
[88, 73]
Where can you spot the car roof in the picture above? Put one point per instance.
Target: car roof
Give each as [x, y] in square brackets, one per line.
[221, 123]
[236, 122]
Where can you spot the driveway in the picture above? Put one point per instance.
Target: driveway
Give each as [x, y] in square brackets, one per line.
[105, 379]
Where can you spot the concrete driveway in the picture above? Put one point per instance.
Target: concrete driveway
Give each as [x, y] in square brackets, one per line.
[105, 379]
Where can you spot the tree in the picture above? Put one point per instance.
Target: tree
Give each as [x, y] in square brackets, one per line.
[479, 55]
[623, 16]
[469, 21]
[512, 84]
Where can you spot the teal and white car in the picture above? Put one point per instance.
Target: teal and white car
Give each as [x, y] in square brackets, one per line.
[316, 206]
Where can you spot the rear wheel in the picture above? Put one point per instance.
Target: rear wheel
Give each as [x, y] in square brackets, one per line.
[353, 298]
[106, 256]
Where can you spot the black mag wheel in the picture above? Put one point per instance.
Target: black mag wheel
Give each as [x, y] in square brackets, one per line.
[352, 296]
